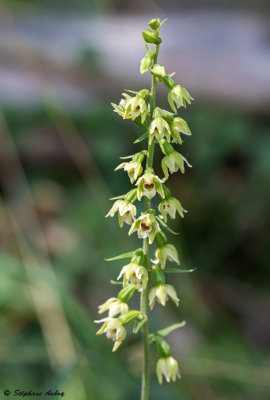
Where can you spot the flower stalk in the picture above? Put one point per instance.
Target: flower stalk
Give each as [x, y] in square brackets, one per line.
[142, 274]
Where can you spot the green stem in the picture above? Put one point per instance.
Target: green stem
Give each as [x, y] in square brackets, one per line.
[144, 294]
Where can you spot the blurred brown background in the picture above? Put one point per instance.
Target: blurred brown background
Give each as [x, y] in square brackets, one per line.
[61, 64]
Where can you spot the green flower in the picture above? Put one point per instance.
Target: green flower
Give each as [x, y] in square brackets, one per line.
[148, 184]
[169, 206]
[134, 273]
[167, 251]
[135, 107]
[158, 129]
[174, 161]
[114, 329]
[179, 125]
[114, 305]
[168, 367]
[121, 108]
[178, 96]
[132, 107]
[134, 167]
[126, 212]
[162, 293]
[146, 226]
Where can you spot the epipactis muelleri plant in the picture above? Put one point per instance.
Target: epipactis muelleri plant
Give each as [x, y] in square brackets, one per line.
[142, 275]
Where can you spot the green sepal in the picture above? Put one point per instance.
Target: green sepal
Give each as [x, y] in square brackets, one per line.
[138, 324]
[171, 328]
[178, 270]
[121, 256]
[122, 196]
[162, 22]
[126, 157]
[142, 137]
[116, 282]
[165, 226]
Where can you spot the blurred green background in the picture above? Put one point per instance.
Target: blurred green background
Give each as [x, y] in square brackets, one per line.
[61, 64]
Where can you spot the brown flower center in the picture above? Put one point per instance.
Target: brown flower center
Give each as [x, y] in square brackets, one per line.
[145, 227]
[149, 186]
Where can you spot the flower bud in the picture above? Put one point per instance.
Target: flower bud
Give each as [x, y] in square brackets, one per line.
[154, 23]
[158, 71]
[151, 37]
[144, 93]
[147, 61]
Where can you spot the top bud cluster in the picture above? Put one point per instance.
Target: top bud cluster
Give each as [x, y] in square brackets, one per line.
[164, 128]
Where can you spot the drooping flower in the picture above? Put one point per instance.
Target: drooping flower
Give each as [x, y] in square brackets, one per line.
[178, 96]
[158, 129]
[167, 251]
[121, 108]
[135, 107]
[168, 367]
[169, 206]
[126, 211]
[173, 163]
[172, 160]
[146, 226]
[162, 293]
[114, 329]
[179, 125]
[134, 167]
[148, 184]
[134, 273]
[114, 306]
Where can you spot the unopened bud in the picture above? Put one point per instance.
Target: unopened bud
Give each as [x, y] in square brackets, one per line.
[158, 71]
[154, 23]
[151, 37]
